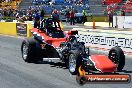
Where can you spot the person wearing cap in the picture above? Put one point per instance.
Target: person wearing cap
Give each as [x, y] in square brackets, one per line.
[84, 15]
[110, 17]
[37, 21]
[42, 14]
[55, 17]
[72, 17]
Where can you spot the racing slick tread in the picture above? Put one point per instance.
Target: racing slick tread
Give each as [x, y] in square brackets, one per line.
[120, 57]
[31, 54]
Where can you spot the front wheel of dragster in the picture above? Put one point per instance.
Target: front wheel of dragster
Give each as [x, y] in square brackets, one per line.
[28, 50]
[75, 61]
[117, 56]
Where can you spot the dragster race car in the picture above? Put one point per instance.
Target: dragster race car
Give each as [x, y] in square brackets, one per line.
[50, 41]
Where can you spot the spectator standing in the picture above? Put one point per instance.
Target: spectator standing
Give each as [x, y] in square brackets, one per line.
[29, 16]
[122, 13]
[84, 15]
[72, 17]
[17, 16]
[67, 15]
[23, 18]
[42, 14]
[37, 21]
[1, 16]
[55, 17]
[110, 16]
[5, 12]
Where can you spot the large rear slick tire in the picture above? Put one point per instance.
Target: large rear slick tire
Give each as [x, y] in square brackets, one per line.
[117, 56]
[28, 50]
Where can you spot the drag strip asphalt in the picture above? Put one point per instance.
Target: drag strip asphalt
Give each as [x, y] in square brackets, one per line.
[15, 73]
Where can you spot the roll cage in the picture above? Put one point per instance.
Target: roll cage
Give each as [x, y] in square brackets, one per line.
[51, 28]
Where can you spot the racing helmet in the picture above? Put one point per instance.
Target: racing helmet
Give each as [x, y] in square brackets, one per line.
[72, 39]
[49, 22]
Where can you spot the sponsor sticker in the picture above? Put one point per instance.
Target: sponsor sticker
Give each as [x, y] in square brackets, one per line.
[101, 78]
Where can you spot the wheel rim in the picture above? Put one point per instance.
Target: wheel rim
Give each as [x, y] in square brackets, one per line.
[72, 63]
[114, 57]
[25, 51]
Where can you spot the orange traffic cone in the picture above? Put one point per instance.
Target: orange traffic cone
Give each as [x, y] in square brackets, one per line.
[94, 25]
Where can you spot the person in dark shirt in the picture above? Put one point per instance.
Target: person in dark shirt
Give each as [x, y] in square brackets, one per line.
[55, 17]
[110, 16]
[122, 13]
[72, 17]
[37, 21]
[67, 15]
[29, 15]
[84, 15]
[42, 14]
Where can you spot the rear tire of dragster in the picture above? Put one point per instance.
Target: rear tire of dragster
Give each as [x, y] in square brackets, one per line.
[117, 56]
[28, 50]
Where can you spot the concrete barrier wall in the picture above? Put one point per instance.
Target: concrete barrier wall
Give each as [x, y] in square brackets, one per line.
[122, 21]
[18, 29]
[29, 27]
[8, 28]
